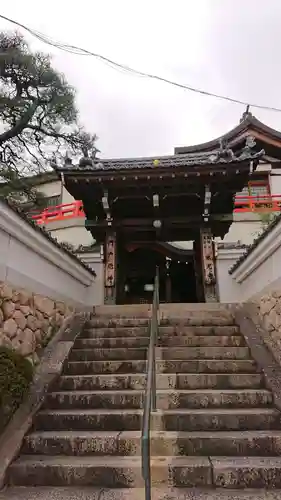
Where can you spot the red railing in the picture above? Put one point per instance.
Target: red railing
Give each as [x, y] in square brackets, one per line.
[59, 212]
[241, 204]
[257, 203]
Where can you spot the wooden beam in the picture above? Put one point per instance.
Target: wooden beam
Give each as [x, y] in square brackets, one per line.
[166, 221]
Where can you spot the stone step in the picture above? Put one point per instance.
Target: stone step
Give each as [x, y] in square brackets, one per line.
[88, 420]
[213, 398]
[112, 343]
[78, 443]
[107, 322]
[166, 399]
[158, 493]
[178, 330]
[137, 331]
[174, 331]
[172, 420]
[201, 319]
[201, 341]
[207, 419]
[102, 382]
[211, 381]
[190, 319]
[184, 341]
[246, 472]
[99, 399]
[119, 353]
[104, 367]
[164, 381]
[125, 472]
[122, 311]
[206, 366]
[171, 353]
[108, 471]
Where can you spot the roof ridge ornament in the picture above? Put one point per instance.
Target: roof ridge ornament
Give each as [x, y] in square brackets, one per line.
[67, 159]
[246, 114]
[247, 152]
[85, 161]
[224, 154]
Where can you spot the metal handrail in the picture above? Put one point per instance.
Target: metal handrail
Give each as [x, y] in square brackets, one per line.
[150, 391]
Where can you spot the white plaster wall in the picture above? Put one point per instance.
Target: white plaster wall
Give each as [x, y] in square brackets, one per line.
[245, 228]
[226, 287]
[55, 188]
[75, 234]
[50, 188]
[275, 181]
[29, 260]
[260, 273]
[95, 261]
[66, 196]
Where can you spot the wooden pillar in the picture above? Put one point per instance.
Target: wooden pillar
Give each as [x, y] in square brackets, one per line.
[208, 264]
[168, 283]
[197, 262]
[110, 274]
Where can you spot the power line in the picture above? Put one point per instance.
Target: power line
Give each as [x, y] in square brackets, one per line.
[72, 49]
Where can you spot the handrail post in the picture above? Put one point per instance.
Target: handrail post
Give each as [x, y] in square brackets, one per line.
[150, 400]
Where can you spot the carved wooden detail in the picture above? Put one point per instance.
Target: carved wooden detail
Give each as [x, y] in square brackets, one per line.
[208, 265]
[110, 268]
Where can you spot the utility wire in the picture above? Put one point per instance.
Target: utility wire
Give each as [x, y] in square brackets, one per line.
[72, 49]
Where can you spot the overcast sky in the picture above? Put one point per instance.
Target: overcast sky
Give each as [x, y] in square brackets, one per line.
[230, 47]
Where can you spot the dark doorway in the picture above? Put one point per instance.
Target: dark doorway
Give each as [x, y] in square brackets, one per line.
[137, 272]
[138, 269]
[183, 282]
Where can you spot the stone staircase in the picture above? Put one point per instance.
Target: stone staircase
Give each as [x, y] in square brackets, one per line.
[216, 424]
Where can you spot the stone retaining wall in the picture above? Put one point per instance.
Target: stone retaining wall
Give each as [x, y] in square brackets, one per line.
[28, 321]
[270, 316]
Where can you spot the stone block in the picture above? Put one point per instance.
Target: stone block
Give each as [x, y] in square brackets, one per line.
[6, 291]
[44, 305]
[28, 342]
[32, 323]
[10, 328]
[60, 307]
[26, 310]
[20, 319]
[22, 297]
[8, 308]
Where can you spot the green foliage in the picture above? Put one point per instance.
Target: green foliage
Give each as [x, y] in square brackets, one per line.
[16, 374]
[266, 218]
[38, 114]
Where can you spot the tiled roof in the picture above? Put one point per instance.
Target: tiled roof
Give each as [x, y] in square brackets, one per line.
[247, 123]
[64, 247]
[94, 247]
[221, 157]
[231, 245]
[255, 243]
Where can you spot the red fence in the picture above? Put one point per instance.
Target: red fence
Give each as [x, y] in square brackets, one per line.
[241, 204]
[59, 212]
[257, 203]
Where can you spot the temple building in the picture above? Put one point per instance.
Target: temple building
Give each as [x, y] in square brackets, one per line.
[167, 211]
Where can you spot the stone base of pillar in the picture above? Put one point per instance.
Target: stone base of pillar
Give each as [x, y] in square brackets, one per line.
[109, 296]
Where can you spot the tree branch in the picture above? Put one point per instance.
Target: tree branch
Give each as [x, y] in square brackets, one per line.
[20, 126]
